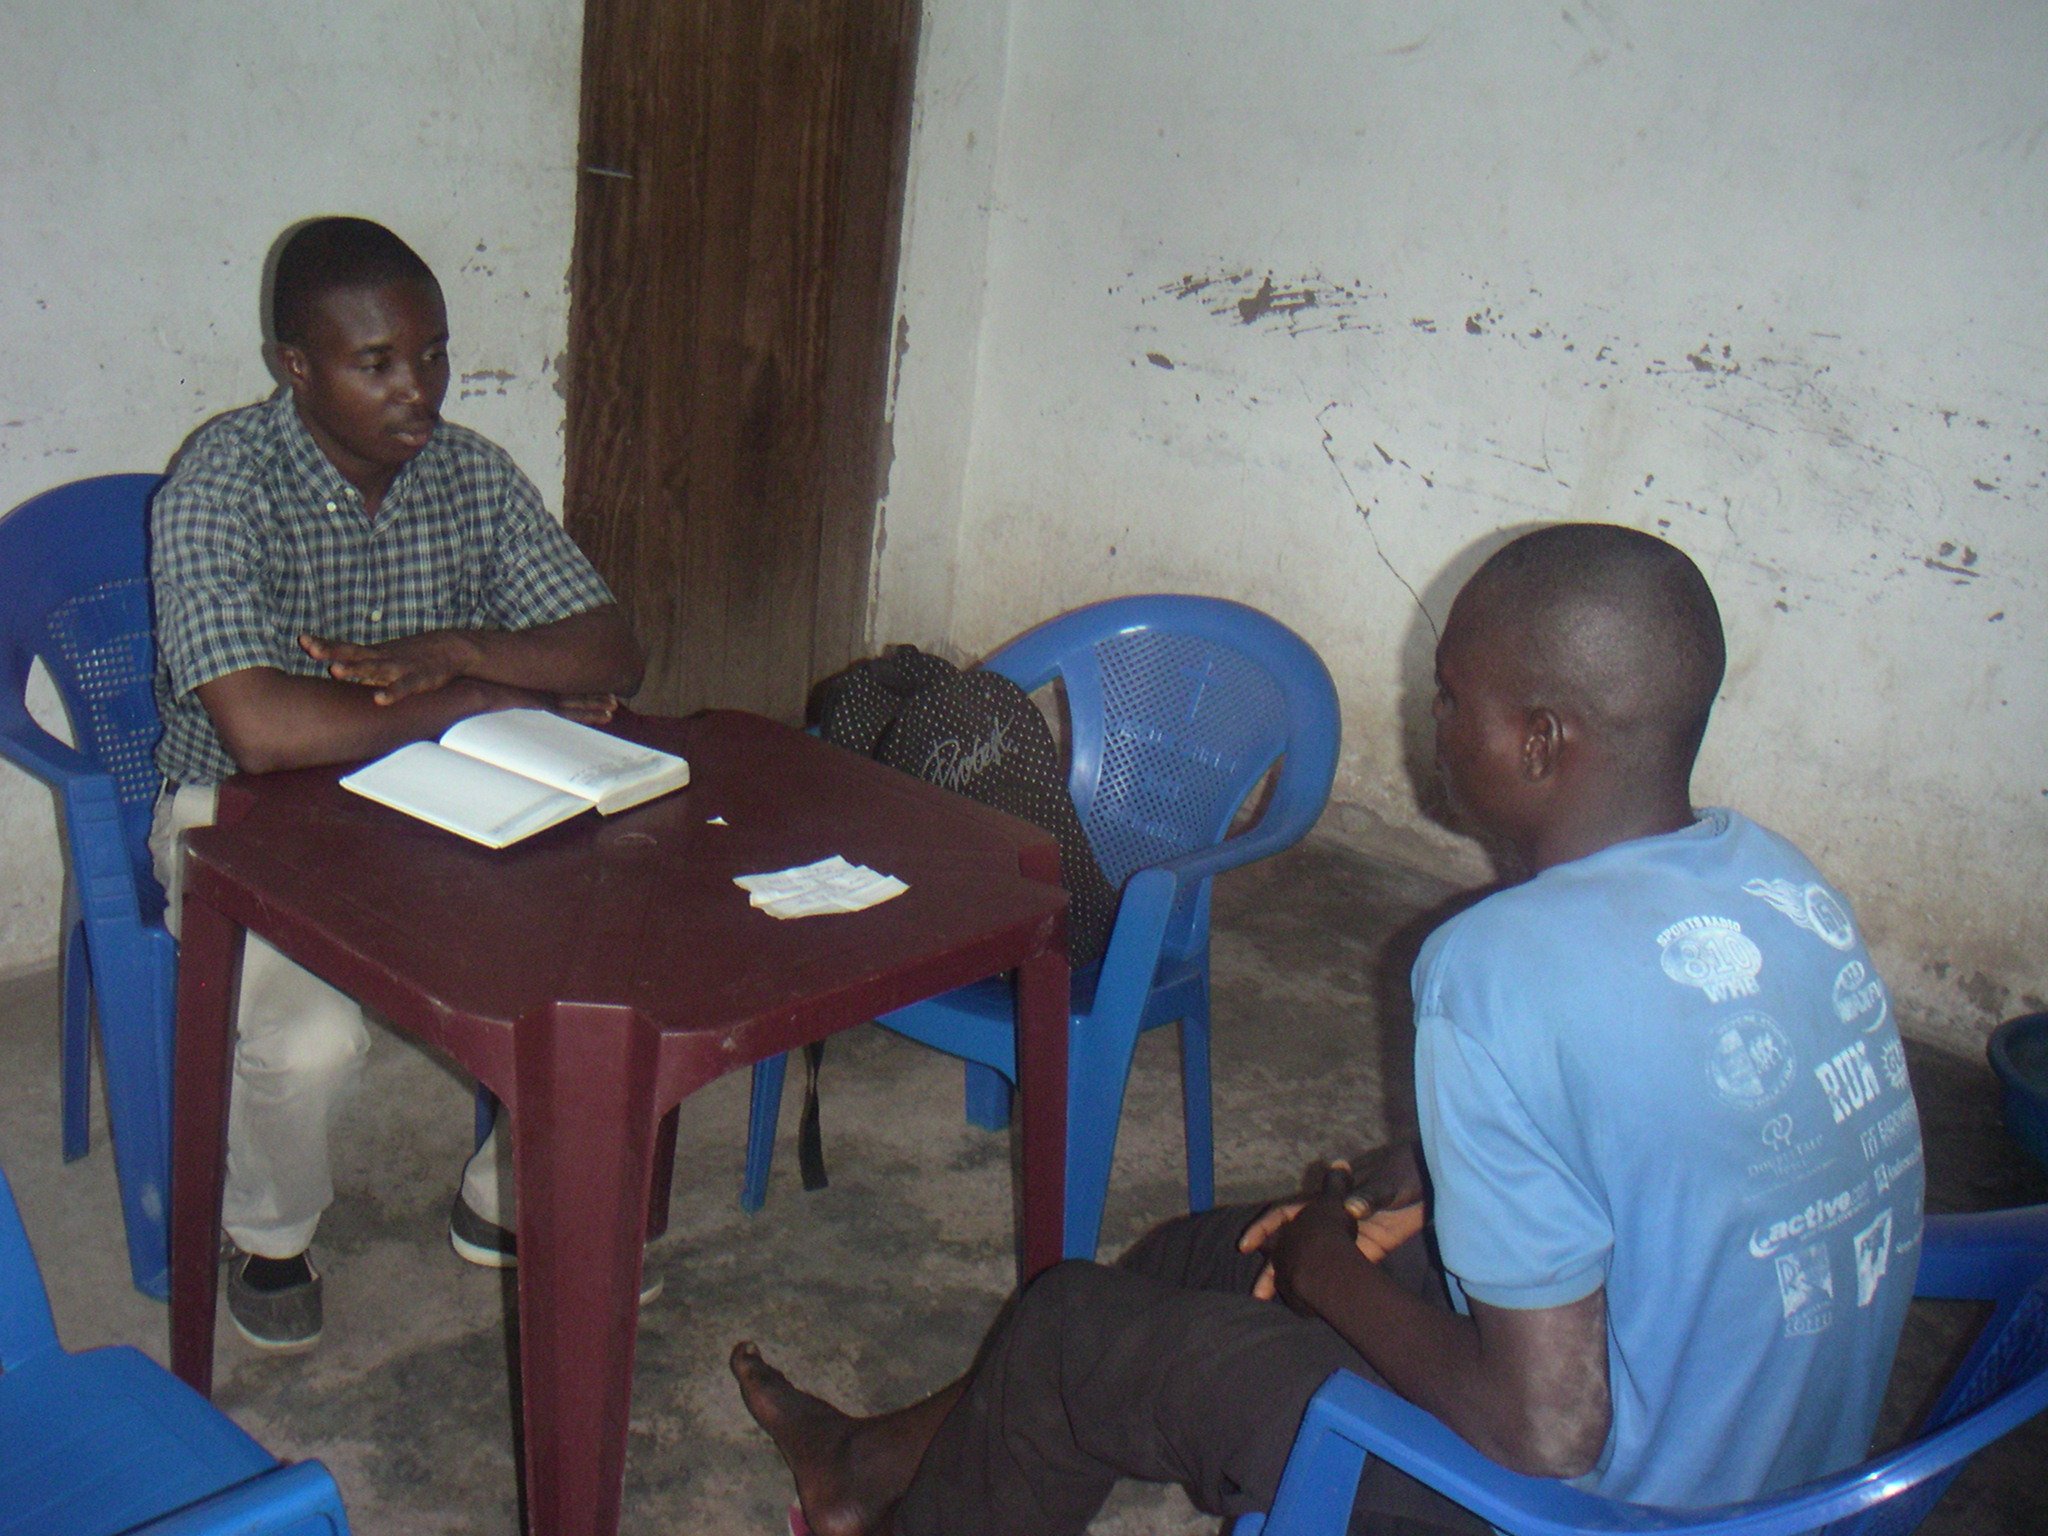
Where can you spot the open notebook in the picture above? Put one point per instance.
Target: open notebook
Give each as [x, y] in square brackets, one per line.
[497, 778]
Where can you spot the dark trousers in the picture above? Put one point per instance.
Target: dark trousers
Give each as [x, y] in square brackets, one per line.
[1162, 1368]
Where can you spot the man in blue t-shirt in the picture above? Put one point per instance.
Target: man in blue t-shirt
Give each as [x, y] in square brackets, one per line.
[1665, 1114]
[1665, 1074]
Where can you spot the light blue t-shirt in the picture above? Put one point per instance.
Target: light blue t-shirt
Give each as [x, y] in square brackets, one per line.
[1670, 1068]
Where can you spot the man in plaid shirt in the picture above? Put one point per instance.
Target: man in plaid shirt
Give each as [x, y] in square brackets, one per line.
[337, 572]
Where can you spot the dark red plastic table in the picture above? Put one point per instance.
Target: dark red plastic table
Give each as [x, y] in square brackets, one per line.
[593, 977]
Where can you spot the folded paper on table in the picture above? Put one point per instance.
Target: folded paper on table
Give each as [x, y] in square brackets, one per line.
[497, 778]
[811, 890]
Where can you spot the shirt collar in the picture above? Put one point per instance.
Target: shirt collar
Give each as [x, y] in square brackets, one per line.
[309, 466]
[312, 468]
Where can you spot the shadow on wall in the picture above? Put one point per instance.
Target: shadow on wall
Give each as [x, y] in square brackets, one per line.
[1395, 1005]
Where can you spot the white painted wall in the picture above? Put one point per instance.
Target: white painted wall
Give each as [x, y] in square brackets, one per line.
[150, 153]
[1767, 275]
[1305, 304]
[962, 70]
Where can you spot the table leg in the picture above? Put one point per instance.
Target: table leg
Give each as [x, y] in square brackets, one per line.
[209, 983]
[583, 1148]
[1043, 988]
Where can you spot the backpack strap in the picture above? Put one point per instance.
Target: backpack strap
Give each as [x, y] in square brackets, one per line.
[810, 1135]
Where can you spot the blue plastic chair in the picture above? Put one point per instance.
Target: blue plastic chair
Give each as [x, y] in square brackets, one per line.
[108, 1441]
[1177, 707]
[2018, 1050]
[2000, 1256]
[76, 594]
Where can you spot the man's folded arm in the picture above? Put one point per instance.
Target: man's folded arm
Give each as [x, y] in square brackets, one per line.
[592, 652]
[270, 720]
[589, 652]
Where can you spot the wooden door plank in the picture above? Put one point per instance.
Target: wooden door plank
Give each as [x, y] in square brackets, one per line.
[734, 274]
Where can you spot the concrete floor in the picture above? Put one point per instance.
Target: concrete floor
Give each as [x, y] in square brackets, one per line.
[874, 1290]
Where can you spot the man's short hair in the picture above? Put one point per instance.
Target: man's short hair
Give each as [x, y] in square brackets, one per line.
[322, 255]
[1616, 625]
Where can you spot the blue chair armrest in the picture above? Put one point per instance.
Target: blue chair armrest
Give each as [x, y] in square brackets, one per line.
[1127, 966]
[102, 864]
[1197, 864]
[29, 747]
[1147, 904]
[1982, 1256]
[1350, 1417]
[298, 1500]
[26, 1327]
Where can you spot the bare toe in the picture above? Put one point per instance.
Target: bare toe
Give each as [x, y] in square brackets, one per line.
[815, 1440]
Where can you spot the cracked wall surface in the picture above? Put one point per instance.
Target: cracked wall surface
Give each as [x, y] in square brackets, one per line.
[149, 155]
[1311, 308]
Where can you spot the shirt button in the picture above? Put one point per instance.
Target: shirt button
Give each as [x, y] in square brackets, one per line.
[332, 507]
[376, 615]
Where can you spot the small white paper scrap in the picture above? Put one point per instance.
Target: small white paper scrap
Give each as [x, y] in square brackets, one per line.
[809, 890]
[716, 821]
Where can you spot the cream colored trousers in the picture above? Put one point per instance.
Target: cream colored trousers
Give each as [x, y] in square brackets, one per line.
[299, 1051]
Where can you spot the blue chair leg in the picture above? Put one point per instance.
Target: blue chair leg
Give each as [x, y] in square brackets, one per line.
[1196, 1100]
[74, 1073]
[988, 1097]
[764, 1107]
[486, 1112]
[136, 1069]
[1097, 1074]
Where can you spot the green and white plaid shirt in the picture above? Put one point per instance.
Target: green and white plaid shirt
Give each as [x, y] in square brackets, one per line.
[256, 539]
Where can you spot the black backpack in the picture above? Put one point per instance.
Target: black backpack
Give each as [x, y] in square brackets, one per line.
[976, 733]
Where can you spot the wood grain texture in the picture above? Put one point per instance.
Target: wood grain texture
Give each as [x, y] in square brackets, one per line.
[734, 277]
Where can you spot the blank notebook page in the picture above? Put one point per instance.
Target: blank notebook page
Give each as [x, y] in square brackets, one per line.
[462, 794]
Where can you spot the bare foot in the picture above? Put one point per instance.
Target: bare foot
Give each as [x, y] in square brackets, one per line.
[844, 1487]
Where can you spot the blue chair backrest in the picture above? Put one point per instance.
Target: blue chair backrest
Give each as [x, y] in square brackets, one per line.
[2011, 1350]
[1178, 706]
[77, 569]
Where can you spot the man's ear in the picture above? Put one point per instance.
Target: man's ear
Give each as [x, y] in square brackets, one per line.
[289, 363]
[1543, 743]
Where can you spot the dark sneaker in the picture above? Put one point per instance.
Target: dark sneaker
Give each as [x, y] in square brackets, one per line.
[274, 1303]
[492, 1246]
[480, 1241]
